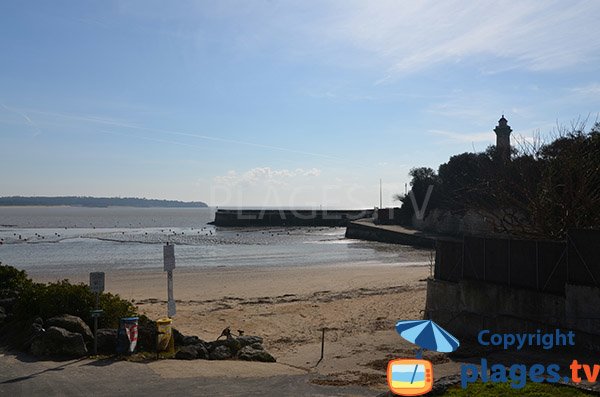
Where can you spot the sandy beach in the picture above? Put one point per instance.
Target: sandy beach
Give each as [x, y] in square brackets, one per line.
[288, 306]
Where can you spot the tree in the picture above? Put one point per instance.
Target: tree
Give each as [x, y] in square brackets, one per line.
[422, 179]
[543, 191]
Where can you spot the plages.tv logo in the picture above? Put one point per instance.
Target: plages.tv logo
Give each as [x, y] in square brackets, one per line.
[414, 376]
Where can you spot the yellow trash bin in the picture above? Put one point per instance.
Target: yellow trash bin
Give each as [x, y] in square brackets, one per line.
[165, 335]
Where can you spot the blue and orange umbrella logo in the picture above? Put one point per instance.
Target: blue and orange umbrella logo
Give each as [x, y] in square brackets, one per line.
[414, 377]
[410, 377]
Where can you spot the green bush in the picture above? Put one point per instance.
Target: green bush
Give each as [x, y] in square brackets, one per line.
[114, 308]
[13, 281]
[52, 299]
[49, 300]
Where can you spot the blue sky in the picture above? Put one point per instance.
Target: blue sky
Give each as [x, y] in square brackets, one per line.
[288, 103]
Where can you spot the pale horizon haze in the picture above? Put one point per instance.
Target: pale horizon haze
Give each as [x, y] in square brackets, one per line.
[278, 103]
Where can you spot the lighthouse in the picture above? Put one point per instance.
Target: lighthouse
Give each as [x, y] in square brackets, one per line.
[503, 131]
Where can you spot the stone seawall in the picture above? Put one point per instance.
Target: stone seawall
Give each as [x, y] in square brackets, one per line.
[367, 230]
[288, 217]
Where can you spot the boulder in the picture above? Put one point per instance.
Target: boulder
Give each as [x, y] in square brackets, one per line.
[146, 337]
[187, 353]
[35, 329]
[58, 342]
[177, 337]
[202, 351]
[248, 340]
[248, 353]
[257, 346]
[107, 340]
[221, 352]
[184, 340]
[231, 343]
[191, 340]
[192, 352]
[8, 303]
[72, 324]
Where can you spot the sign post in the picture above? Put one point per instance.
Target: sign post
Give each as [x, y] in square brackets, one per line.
[97, 287]
[169, 265]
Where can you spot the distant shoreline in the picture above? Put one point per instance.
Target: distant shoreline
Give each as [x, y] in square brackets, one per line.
[91, 206]
[96, 202]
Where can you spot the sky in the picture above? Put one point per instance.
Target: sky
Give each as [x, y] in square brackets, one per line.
[278, 103]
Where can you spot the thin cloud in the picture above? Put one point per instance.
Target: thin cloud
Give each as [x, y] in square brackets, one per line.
[118, 123]
[30, 122]
[590, 90]
[265, 175]
[396, 38]
[465, 138]
[412, 36]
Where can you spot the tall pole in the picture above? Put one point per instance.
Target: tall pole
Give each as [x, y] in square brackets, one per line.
[97, 287]
[380, 195]
[96, 326]
[169, 265]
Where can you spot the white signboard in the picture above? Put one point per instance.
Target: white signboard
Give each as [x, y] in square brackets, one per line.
[97, 282]
[169, 257]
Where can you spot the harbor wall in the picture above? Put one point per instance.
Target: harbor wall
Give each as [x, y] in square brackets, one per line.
[371, 232]
[287, 217]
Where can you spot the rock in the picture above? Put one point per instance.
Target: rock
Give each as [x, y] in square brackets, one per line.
[107, 340]
[191, 340]
[185, 340]
[257, 346]
[202, 351]
[191, 352]
[72, 324]
[232, 344]
[248, 353]
[177, 337]
[58, 342]
[146, 338]
[221, 352]
[8, 303]
[248, 340]
[187, 353]
[35, 330]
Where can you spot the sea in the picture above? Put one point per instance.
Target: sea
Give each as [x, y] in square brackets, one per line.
[74, 240]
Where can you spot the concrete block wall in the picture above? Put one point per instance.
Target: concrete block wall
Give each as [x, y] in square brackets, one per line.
[467, 307]
[583, 308]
